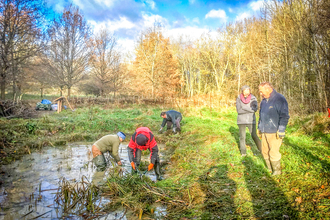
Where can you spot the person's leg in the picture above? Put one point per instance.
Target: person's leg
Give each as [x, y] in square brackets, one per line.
[169, 125]
[242, 136]
[274, 153]
[177, 122]
[100, 163]
[265, 150]
[253, 132]
[157, 169]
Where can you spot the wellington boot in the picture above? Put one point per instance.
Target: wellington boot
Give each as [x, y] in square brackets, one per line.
[157, 171]
[276, 167]
[100, 163]
[269, 166]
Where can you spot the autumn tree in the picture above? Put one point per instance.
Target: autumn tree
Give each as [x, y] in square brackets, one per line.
[68, 50]
[156, 69]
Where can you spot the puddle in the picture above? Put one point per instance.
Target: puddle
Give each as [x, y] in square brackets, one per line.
[29, 185]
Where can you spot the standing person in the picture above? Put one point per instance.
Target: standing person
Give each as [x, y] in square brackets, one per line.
[246, 106]
[143, 139]
[273, 119]
[170, 118]
[107, 143]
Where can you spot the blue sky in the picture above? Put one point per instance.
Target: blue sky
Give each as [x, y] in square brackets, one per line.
[191, 18]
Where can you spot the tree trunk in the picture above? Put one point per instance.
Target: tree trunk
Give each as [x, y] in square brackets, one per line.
[3, 88]
[41, 92]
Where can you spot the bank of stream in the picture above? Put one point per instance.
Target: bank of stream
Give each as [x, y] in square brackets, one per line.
[29, 185]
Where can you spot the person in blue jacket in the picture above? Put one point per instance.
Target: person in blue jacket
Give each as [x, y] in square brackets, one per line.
[170, 118]
[273, 119]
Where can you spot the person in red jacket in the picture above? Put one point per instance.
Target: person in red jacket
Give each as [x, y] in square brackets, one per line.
[143, 139]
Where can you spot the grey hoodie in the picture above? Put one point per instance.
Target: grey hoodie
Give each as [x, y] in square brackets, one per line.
[246, 112]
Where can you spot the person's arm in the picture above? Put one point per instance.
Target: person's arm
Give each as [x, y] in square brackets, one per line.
[163, 123]
[254, 105]
[114, 152]
[283, 115]
[239, 107]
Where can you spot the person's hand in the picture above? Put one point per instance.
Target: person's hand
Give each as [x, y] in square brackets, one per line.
[160, 130]
[133, 165]
[119, 163]
[150, 166]
[174, 130]
[280, 135]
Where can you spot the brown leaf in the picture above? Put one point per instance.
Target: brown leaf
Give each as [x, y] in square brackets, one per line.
[299, 200]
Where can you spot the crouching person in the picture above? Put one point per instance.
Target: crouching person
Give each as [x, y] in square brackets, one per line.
[143, 139]
[170, 118]
[107, 143]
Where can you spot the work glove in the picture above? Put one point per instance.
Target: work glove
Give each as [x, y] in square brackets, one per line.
[174, 130]
[133, 165]
[280, 135]
[150, 166]
[160, 130]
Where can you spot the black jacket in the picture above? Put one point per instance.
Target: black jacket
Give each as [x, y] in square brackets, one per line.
[273, 114]
[171, 115]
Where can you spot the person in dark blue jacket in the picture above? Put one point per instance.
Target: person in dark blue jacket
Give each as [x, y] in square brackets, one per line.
[273, 119]
[170, 118]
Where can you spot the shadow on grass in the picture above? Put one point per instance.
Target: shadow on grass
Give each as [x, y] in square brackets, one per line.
[309, 156]
[268, 200]
[234, 131]
[219, 192]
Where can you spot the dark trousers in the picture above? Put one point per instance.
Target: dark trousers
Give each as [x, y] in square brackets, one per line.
[137, 160]
[177, 123]
[242, 136]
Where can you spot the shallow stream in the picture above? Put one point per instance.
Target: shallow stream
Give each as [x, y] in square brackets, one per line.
[29, 185]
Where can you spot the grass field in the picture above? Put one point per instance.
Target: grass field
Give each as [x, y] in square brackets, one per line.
[206, 177]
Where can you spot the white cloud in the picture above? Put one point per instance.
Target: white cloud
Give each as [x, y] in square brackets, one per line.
[230, 10]
[196, 20]
[126, 45]
[256, 5]
[151, 4]
[191, 2]
[242, 16]
[150, 19]
[216, 14]
[112, 26]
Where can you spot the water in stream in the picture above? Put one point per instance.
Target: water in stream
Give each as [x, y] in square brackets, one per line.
[29, 185]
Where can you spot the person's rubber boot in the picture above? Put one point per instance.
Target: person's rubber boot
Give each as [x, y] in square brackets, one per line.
[100, 163]
[269, 166]
[157, 171]
[276, 167]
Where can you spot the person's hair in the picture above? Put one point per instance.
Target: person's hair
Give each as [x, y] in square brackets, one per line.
[245, 87]
[162, 114]
[266, 84]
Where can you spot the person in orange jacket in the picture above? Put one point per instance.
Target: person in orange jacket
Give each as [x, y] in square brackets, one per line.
[144, 139]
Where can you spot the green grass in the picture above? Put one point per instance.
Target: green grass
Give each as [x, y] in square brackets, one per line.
[206, 178]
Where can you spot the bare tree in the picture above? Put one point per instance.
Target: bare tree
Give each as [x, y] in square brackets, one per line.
[105, 62]
[20, 36]
[68, 49]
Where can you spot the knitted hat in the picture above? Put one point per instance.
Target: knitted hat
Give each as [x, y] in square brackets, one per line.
[141, 140]
[121, 134]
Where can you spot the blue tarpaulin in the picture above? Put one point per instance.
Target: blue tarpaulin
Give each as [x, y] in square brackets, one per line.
[46, 101]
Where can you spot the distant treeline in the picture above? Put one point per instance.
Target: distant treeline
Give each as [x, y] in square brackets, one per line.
[287, 44]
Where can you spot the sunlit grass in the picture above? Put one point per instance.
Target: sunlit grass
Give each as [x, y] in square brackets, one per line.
[205, 173]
